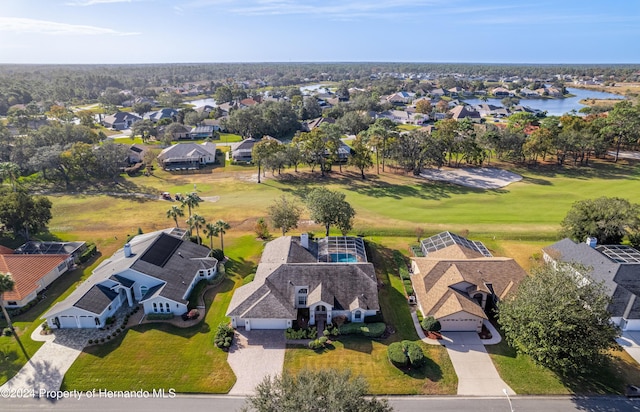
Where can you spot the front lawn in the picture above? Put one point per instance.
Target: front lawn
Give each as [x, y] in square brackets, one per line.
[527, 378]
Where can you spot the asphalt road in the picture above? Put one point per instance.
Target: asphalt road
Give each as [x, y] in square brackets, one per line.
[400, 404]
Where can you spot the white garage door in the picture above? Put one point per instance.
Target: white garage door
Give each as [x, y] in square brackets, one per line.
[87, 322]
[268, 323]
[67, 321]
[459, 325]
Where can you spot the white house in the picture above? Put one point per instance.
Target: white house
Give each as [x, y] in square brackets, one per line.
[157, 270]
[183, 156]
[312, 281]
[617, 266]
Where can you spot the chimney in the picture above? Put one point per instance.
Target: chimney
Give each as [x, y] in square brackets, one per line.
[127, 250]
[592, 242]
[304, 240]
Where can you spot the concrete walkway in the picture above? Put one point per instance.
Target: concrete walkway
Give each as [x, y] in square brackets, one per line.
[46, 368]
[630, 341]
[477, 376]
[255, 355]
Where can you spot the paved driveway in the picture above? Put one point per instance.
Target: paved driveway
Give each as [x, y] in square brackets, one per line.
[477, 375]
[630, 341]
[255, 355]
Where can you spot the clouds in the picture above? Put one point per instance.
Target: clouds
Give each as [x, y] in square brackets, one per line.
[26, 25]
[94, 2]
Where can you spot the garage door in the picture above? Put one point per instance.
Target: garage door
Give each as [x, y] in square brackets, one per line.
[459, 325]
[268, 323]
[87, 322]
[67, 321]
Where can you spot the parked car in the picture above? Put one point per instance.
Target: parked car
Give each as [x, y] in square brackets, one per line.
[166, 196]
[192, 314]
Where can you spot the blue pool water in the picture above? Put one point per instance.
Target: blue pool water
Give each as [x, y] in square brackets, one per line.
[343, 258]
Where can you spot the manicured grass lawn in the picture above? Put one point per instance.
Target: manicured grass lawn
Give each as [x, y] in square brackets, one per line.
[527, 378]
[368, 357]
[164, 356]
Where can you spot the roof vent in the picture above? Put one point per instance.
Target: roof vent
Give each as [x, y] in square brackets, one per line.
[127, 250]
[592, 242]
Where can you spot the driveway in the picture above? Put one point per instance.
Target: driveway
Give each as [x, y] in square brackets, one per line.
[255, 355]
[46, 368]
[630, 341]
[477, 375]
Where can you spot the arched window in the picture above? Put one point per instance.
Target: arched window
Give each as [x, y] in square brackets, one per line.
[357, 315]
[143, 291]
[155, 307]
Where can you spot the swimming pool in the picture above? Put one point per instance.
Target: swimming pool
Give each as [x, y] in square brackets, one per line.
[343, 258]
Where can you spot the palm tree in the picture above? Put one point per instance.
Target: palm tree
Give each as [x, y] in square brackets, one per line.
[10, 171]
[196, 221]
[222, 229]
[211, 230]
[6, 285]
[191, 200]
[174, 213]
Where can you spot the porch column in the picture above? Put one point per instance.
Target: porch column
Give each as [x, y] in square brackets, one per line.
[312, 315]
[129, 297]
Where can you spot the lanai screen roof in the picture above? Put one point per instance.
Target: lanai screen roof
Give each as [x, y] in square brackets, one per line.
[342, 245]
[445, 239]
[620, 253]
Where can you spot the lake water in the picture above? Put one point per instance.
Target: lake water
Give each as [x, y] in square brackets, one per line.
[202, 102]
[556, 107]
[314, 88]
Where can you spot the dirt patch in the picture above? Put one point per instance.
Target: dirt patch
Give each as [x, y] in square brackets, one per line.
[479, 178]
[211, 198]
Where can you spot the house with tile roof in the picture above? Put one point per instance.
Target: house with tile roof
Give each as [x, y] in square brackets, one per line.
[616, 266]
[187, 156]
[459, 282]
[298, 278]
[157, 270]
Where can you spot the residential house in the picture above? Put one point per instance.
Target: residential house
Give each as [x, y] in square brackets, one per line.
[120, 120]
[460, 113]
[459, 282]
[317, 122]
[180, 132]
[242, 152]
[528, 93]
[136, 153]
[502, 92]
[617, 266]
[187, 156]
[400, 98]
[157, 270]
[439, 92]
[202, 132]
[166, 113]
[34, 266]
[300, 279]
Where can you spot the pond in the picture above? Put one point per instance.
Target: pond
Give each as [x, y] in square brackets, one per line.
[556, 107]
[202, 102]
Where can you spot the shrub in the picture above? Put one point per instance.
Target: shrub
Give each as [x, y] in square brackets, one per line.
[86, 255]
[323, 339]
[396, 355]
[374, 318]
[118, 330]
[430, 324]
[224, 336]
[408, 287]
[90, 341]
[160, 316]
[350, 328]
[101, 340]
[339, 320]
[415, 354]
[108, 337]
[373, 330]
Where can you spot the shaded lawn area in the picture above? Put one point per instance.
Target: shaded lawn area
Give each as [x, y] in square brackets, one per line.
[163, 356]
[154, 356]
[368, 357]
[526, 378]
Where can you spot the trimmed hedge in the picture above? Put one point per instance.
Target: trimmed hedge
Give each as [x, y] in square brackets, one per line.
[406, 353]
[371, 330]
[309, 333]
[87, 254]
[160, 316]
[396, 355]
[430, 324]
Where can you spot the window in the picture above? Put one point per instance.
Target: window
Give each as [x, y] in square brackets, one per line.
[143, 291]
[161, 308]
[62, 267]
[167, 305]
[155, 307]
[303, 290]
[12, 303]
[302, 301]
[357, 315]
[202, 273]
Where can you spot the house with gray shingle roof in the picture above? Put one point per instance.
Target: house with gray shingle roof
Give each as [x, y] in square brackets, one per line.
[459, 282]
[617, 266]
[187, 156]
[157, 270]
[298, 278]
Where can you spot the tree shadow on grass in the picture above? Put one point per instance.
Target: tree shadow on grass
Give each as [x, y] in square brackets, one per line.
[10, 363]
[358, 344]
[240, 266]
[430, 370]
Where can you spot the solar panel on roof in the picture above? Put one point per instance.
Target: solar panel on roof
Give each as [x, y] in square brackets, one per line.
[161, 250]
[620, 253]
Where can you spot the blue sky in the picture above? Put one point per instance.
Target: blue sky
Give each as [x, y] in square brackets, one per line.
[181, 31]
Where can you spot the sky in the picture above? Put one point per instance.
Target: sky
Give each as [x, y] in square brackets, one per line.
[216, 31]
